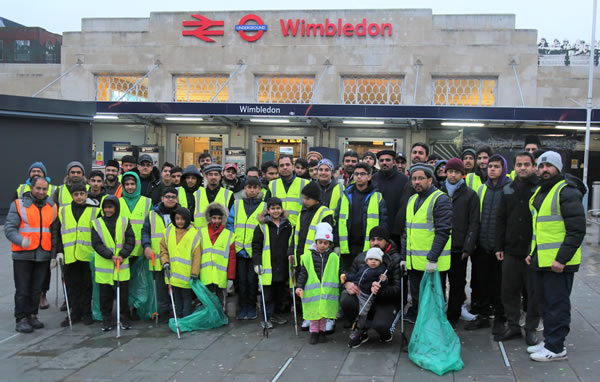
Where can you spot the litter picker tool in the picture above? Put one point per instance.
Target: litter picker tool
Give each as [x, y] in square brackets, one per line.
[293, 287]
[155, 314]
[118, 298]
[366, 304]
[262, 296]
[64, 287]
[400, 316]
[168, 274]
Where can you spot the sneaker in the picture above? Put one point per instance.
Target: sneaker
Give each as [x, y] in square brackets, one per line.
[65, 323]
[34, 322]
[106, 324]
[478, 323]
[329, 326]
[386, 339]
[305, 325]
[540, 327]
[410, 317]
[546, 355]
[23, 326]
[269, 324]
[243, 313]
[277, 319]
[357, 338]
[87, 319]
[322, 337]
[466, 315]
[314, 338]
[125, 324]
[536, 348]
[251, 314]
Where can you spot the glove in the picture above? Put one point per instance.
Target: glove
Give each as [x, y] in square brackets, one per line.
[26, 242]
[403, 265]
[53, 263]
[194, 277]
[229, 286]
[337, 250]
[166, 267]
[431, 267]
[60, 258]
[257, 269]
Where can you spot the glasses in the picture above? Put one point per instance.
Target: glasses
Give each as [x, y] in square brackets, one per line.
[170, 197]
[360, 174]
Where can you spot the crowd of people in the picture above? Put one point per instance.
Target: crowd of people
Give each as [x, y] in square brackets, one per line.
[341, 243]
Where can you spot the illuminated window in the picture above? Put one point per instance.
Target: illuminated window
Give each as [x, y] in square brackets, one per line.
[113, 87]
[200, 88]
[22, 50]
[284, 89]
[372, 90]
[465, 91]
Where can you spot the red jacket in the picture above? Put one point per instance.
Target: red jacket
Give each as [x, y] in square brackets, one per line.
[214, 235]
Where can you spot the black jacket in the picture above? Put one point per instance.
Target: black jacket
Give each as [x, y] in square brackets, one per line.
[319, 262]
[189, 191]
[279, 238]
[400, 218]
[573, 215]
[97, 243]
[465, 219]
[389, 184]
[513, 227]
[306, 216]
[327, 191]
[489, 216]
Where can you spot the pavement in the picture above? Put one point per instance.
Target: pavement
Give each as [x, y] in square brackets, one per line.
[238, 351]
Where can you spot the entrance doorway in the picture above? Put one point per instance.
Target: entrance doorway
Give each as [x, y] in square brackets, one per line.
[189, 149]
[362, 145]
[269, 148]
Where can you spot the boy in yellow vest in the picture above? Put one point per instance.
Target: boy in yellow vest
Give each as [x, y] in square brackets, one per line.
[113, 240]
[72, 232]
[318, 283]
[180, 254]
[243, 219]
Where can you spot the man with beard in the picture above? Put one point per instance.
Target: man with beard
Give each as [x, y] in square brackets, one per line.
[288, 187]
[212, 193]
[401, 162]
[75, 174]
[230, 179]
[389, 181]
[36, 169]
[468, 157]
[111, 172]
[149, 176]
[349, 160]
[370, 158]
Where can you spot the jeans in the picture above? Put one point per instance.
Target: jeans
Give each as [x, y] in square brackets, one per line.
[246, 282]
[78, 277]
[183, 301]
[29, 279]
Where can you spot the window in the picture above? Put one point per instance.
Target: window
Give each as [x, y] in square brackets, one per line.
[22, 50]
[372, 90]
[284, 89]
[50, 53]
[200, 88]
[465, 91]
[113, 87]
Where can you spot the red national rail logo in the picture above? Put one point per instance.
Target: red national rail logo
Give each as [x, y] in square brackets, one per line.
[203, 24]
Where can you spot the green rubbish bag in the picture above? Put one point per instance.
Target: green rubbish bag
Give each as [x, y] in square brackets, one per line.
[434, 345]
[96, 313]
[207, 316]
[141, 288]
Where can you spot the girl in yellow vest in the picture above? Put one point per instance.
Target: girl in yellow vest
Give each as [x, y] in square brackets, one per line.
[318, 283]
[180, 253]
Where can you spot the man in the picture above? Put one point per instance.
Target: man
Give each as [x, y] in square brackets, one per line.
[349, 160]
[111, 172]
[433, 159]
[314, 155]
[361, 208]
[230, 179]
[370, 158]
[176, 174]
[513, 237]
[75, 174]
[212, 193]
[288, 188]
[487, 269]
[389, 181]
[387, 300]
[401, 162]
[465, 230]
[301, 168]
[190, 183]
[36, 169]
[270, 172]
[253, 172]
[419, 153]
[425, 242]
[27, 227]
[439, 169]
[468, 157]
[204, 160]
[331, 191]
[531, 145]
[128, 163]
[312, 170]
[149, 176]
[558, 230]
[157, 187]
[479, 176]
[96, 186]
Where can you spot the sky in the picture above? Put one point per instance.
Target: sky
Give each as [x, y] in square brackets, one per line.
[552, 18]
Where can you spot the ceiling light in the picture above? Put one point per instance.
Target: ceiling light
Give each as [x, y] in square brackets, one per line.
[269, 120]
[361, 122]
[185, 119]
[574, 127]
[463, 124]
[106, 116]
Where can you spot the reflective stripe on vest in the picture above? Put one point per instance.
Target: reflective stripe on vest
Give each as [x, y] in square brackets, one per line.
[182, 197]
[481, 195]
[181, 255]
[35, 226]
[549, 228]
[244, 225]
[267, 269]
[215, 257]
[157, 231]
[420, 233]
[76, 236]
[473, 181]
[223, 197]
[372, 220]
[23, 188]
[321, 213]
[321, 297]
[106, 271]
[136, 219]
[292, 199]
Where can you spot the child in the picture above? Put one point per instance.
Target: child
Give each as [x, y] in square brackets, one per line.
[320, 276]
[96, 182]
[217, 266]
[372, 271]
[113, 240]
[180, 255]
[269, 248]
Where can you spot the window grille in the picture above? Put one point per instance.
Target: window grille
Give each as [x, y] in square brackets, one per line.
[465, 91]
[372, 90]
[284, 89]
[22, 50]
[200, 88]
[50, 53]
[112, 87]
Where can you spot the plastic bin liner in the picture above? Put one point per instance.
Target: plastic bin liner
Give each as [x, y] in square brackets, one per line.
[141, 288]
[207, 316]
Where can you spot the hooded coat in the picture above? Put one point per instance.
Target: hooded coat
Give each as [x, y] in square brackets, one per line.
[465, 218]
[189, 191]
[111, 223]
[490, 208]
[179, 233]
[214, 232]
[279, 238]
[131, 199]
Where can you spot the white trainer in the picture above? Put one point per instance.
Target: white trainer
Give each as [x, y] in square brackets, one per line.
[546, 355]
[535, 348]
[305, 325]
[465, 314]
[329, 326]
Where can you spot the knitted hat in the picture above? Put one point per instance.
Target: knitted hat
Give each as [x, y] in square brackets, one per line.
[324, 232]
[470, 152]
[551, 157]
[313, 191]
[386, 152]
[274, 202]
[379, 231]
[374, 253]
[75, 164]
[427, 168]
[370, 154]
[455, 164]
[39, 165]
[325, 162]
[212, 167]
[113, 163]
[314, 153]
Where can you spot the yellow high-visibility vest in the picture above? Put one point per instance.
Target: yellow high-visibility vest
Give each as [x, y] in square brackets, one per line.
[136, 218]
[76, 236]
[106, 271]
[244, 225]
[180, 255]
[292, 199]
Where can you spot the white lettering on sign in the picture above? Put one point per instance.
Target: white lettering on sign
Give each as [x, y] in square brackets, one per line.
[259, 110]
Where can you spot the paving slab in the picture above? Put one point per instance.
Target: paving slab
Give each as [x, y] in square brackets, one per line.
[370, 363]
[304, 370]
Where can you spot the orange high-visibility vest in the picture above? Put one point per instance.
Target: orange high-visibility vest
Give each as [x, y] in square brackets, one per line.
[35, 225]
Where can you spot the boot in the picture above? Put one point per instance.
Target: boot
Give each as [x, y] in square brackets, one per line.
[478, 323]
[314, 338]
[44, 301]
[87, 319]
[23, 326]
[499, 327]
[34, 322]
[508, 333]
[322, 337]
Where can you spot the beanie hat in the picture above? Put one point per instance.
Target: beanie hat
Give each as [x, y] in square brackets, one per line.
[75, 164]
[113, 163]
[456, 164]
[374, 253]
[324, 232]
[169, 190]
[370, 154]
[78, 186]
[470, 152]
[313, 191]
[274, 202]
[427, 168]
[39, 165]
[379, 231]
[314, 153]
[325, 162]
[551, 157]
[212, 167]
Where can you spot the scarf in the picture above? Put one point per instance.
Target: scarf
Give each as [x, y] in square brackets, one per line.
[453, 187]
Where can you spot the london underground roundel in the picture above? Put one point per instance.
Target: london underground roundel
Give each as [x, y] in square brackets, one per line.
[243, 27]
